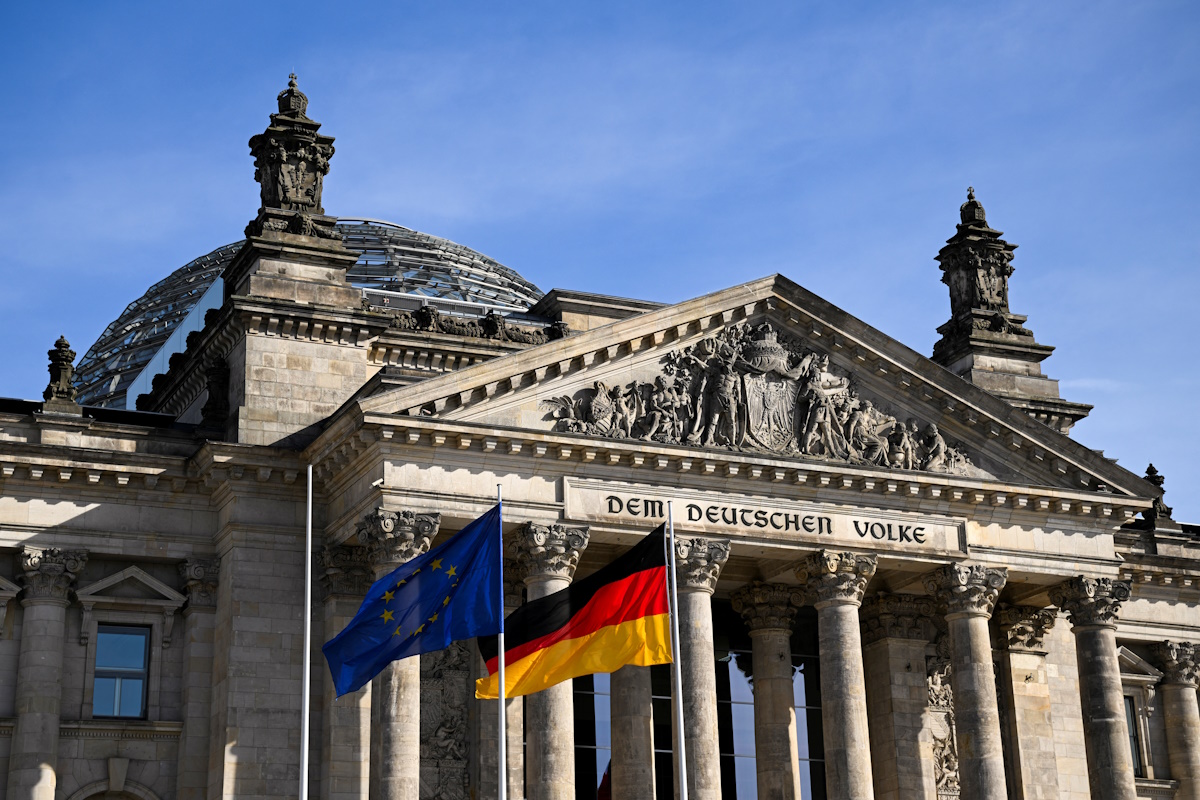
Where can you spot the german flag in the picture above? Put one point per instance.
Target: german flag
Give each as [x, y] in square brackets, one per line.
[619, 615]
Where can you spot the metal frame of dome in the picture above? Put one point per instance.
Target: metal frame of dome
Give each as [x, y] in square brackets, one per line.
[393, 259]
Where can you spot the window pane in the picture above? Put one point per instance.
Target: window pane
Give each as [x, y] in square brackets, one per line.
[740, 667]
[603, 722]
[747, 779]
[131, 697]
[743, 729]
[601, 681]
[1134, 746]
[104, 698]
[121, 649]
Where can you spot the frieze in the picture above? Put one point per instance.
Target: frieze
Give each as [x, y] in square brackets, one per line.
[750, 389]
[489, 326]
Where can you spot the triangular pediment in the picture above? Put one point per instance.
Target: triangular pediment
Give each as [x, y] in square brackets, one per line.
[8, 589]
[131, 586]
[766, 367]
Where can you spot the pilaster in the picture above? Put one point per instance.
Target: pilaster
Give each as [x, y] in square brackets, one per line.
[1180, 662]
[1021, 631]
[200, 578]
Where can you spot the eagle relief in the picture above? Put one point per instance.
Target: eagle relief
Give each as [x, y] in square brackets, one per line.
[747, 388]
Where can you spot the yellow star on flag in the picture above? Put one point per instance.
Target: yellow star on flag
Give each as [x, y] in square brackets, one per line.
[388, 596]
[446, 602]
[433, 618]
[450, 573]
[418, 630]
[387, 616]
[397, 633]
[437, 563]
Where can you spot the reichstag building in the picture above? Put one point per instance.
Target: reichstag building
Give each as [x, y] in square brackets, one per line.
[899, 576]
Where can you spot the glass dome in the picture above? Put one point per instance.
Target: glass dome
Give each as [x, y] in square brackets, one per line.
[393, 259]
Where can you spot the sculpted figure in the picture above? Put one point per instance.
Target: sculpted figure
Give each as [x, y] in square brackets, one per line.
[935, 449]
[863, 435]
[903, 452]
[622, 414]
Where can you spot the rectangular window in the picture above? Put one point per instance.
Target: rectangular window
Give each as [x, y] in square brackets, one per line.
[1135, 746]
[122, 669]
[593, 738]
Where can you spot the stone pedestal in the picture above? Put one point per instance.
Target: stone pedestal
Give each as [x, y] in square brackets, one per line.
[489, 717]
[200, 579]
[836, 582]
[393, 538]
[698, 565]
[1179, 662]
[896, 629]
[769, 610]
[1093, 605]
[630, 706]
[1020, 634]
[33, 759]
[969, 593]
[546, 559]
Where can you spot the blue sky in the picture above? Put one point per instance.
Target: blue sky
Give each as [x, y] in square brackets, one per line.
[656, 150]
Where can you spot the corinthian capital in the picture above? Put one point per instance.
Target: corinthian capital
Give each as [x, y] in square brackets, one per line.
[393, 537]
[767, 606]
[48, 574]
[966, 588]
[345, 570]
[1180, 662]
[698, 563]
[898, 616]
[1090, 601]
[548, 551]
[200, 581]
[1022, 628]
[836, 577]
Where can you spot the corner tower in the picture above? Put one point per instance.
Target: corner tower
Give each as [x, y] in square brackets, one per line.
[984, 342]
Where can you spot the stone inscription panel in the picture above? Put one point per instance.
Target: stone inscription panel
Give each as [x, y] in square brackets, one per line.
[758, 517]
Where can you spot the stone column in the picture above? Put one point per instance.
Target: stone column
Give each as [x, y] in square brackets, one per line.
[489, 713]
[200, 581]
[896, 629]
[698, 565]
[969, 593]
[546, 560]
[32, 761]
[630, 704]
[346, 575]
[769, 610]
[1020, 633]
[392, 538]
[1093, 605]
[1180, 662]
[836, 582]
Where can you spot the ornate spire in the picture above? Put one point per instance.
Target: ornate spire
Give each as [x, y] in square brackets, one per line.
[1160, 512]
[976, 264]
[291, 160]
[60, 393]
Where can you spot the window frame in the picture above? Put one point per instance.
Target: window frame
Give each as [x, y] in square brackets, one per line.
[120, 675]
[150, 621]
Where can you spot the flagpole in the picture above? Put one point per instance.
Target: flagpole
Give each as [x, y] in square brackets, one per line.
[304, 687]
[677, 665]
[502, 744]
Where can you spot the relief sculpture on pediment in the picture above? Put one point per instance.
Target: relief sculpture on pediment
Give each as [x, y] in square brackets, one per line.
[749, 388]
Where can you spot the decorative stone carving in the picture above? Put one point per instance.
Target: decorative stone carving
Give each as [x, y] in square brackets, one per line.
[48, 574]
[1160, 511]
[490, 326]
[1091, 601]
[898, 616]
[445, 723]
[291, 161]
[345, 570]
[548, 550]
[966, 588]
[514, 585]
[767, 606]
[945, 762]
[1023, 628]
[698, 563]
[60, 392]
[200, 577]
[836, 577]
[394, 537]
[749, 388]
[1180, 662]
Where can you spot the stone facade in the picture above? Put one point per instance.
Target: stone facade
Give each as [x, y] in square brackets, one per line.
[937, 593]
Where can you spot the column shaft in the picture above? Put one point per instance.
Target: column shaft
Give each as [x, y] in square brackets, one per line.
[777, 760]
[550, 736]
[34, 755]
[897, 709]
[192, 781]
[844, 703]
[489, 723]
[346, 724]
[632, 733]
[699, 677]
[396, 720]
[976, 712]
[1182, 716]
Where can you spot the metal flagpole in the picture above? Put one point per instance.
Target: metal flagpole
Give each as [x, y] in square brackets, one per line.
[304, 689]
[677, 666]
[502, 744]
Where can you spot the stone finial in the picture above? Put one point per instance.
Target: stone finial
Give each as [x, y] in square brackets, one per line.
[1023, 628]
[200, 578]
[836, 577]
[293, 102]
[548, 551]
[698, 563]
[60, 392]
[971, 212]
[48, 574]
[1180, 662]
[966, 588]
[767, 606]
[898, 616]
[1090, 601]
[394, 537]
[1160, 510]
[345, 570]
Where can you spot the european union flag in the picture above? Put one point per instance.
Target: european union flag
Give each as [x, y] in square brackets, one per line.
[452, 592]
